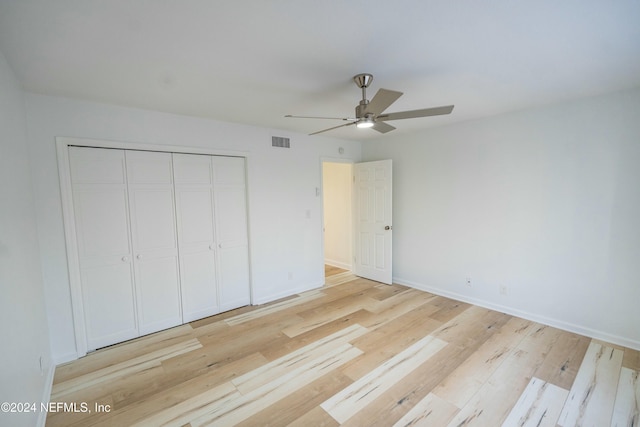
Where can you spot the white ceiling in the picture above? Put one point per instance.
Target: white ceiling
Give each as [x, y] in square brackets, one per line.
[253, 61]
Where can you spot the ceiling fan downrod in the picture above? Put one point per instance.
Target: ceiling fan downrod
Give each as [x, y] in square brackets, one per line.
[363, 81]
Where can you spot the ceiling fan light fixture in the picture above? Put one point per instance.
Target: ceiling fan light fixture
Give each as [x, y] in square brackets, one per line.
[364, 123]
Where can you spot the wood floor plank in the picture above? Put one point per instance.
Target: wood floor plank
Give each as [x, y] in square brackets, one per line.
[279, 367]
[403, 395]
[328, 313]
[332, 270]
[122, 352]
[243, 339]
[387, 291]
[317, 417]
[430, 411]
[631, 359]
[122, 369]
[397, 305]
[494, 400]
[258, 399]
[592, 396]
[561, 366]
[362, 392]
[387, 341]
[292, 344]
[340, 278]
[469, 324]
[539, 405]
[169, 397]
[626, 410]
[272, 308]
[468, 378]
[448, 308]
[222, 396]
[288, 410]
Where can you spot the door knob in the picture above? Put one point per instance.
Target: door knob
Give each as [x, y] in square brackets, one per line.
[388, 228]
[139, 256]
[125, 258]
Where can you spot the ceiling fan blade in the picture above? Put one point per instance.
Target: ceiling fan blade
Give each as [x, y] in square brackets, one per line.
[319, 117]
[425, 112]
[383, 127]
[335, 127]
[381, 101]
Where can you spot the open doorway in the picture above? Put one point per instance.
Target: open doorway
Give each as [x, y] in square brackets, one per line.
[337, 181]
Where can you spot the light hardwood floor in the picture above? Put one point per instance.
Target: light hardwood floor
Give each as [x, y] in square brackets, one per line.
[355, 353]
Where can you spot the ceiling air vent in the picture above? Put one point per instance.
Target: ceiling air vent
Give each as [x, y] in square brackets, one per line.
[279, 141]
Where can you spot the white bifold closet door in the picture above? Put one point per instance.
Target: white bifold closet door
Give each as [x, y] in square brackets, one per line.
[212, 233]
[127, 245]
[161, 237]
[105, 255]
[154, 242]
[231, 224]
[193, 176]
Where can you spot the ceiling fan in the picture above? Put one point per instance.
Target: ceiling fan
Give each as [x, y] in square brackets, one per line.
[369, 114]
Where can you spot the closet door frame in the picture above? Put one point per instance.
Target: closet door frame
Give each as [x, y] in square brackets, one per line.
[68, 216]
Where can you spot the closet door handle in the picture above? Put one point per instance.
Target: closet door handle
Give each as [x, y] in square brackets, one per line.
[139, 256]
[211, 247]
[125, 259]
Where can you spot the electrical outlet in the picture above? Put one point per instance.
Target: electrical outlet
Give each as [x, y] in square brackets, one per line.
[503, 290]
[468, 281]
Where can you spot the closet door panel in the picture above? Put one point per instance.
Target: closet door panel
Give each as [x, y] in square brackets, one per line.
[101, 213]
[231, 227]
[153, 220]
[234, 277]
[102, 221]
[199, 295]
[229, 170]
[159, 306]
[151, 200]
[108, 300]
[232, 215]
[194, 208]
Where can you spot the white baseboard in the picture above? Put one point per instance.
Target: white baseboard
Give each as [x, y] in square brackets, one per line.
[342, 265]
[556, 323]
[64, 358]
[46, 394]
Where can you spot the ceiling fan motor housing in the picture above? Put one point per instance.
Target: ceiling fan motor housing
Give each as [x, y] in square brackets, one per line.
[361, 109]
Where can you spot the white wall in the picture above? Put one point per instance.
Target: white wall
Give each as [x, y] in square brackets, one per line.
[282, 189]
[24, 334]
[336, 191]
[545, 202]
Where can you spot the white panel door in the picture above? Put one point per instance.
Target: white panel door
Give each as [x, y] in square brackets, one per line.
[231, 232]
[101, 211]
[193, 177]
[153, 234]
[373, 220]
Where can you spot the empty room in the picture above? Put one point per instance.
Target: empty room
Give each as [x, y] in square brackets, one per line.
[319, 213]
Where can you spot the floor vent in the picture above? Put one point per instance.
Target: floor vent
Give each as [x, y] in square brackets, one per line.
[279, 141]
